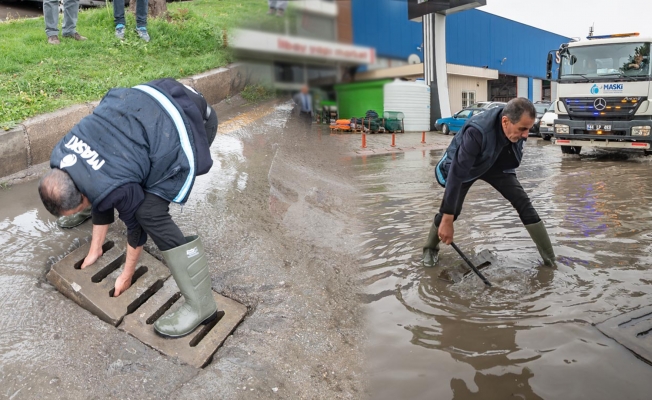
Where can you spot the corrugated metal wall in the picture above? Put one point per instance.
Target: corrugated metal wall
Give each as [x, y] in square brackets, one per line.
[384, 24]
[473, 38]
[523, 48]
[457, 84]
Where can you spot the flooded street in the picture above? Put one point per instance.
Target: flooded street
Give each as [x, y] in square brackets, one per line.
[273, 217]
[322, 242]
[530, 336]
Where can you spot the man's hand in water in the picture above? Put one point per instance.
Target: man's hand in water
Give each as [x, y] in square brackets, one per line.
[95, 252]
[446, 229]
[122, 283]
[124, 280]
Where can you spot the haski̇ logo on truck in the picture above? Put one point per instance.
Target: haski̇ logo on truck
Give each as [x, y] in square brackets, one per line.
[607, 88]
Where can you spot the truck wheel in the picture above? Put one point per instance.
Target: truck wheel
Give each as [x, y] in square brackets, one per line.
[546, 137]
[571, 149]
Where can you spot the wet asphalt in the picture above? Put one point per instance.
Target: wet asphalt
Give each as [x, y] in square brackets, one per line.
[322, 241]
[532, 335]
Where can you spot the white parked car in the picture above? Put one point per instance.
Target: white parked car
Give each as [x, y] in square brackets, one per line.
[546, 126]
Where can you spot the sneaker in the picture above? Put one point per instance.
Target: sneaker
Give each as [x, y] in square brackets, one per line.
[54, 39]
[120, 31]
[142, 33]
[75, 36]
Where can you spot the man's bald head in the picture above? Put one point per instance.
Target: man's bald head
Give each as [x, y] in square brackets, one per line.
[58, 192]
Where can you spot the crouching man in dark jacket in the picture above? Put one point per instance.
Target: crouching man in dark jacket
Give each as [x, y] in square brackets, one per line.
[140, 150]
[489, 147]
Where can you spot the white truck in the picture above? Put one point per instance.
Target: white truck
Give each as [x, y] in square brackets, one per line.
[604, 93]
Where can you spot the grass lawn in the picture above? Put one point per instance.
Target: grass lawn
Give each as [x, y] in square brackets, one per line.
[36, 77]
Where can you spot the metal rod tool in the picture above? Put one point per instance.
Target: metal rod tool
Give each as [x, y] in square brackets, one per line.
[477, 271]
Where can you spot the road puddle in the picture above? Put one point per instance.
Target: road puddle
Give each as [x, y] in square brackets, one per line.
[531, 335]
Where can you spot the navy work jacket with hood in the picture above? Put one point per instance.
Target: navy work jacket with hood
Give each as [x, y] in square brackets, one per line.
[152, 135]
[493, 137]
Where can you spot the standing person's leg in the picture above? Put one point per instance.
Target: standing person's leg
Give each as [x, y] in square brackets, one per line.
[51, 16]
[70, 13]
[431, 248]
[510, 188]
[281, 5]
[119, 18]
[141, 19]
[272, 6]
[187, 262]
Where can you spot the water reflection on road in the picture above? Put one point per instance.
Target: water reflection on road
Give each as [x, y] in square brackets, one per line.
[530, 336]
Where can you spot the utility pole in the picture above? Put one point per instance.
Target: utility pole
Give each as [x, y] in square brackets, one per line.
[432, 14]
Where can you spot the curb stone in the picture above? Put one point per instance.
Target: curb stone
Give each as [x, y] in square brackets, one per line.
[31, 142]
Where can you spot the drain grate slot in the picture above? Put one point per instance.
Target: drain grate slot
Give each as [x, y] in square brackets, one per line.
[142, 270]
[145, 296]
[634, 321]
[105, 247]
[166, 306]
[110, 267]
[205, 329]
[644, 333]
[633, 330]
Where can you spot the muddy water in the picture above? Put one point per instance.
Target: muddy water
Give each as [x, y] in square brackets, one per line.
[531, 335]
[275, 216]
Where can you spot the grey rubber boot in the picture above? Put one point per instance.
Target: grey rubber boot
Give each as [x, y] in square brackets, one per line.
[74, 220]
[431, 248]
[540, 237]
[188, 266]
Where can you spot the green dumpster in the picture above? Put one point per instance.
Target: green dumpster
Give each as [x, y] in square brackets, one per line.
[354, 99]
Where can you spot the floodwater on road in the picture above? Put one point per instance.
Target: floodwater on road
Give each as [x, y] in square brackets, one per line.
[274, 214]
[531, 335]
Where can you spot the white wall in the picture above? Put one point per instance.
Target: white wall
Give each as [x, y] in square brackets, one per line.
[521, 87]
[457, 83]
[537, 90]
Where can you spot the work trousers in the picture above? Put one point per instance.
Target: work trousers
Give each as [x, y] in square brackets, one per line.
[51, 16]
[154, 214]
[509, 187]
[141, 12]
[277, 4]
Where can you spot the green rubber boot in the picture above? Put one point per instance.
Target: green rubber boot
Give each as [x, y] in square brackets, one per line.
[188, 266]
[540, 237]
[74, 220]
[431, 248]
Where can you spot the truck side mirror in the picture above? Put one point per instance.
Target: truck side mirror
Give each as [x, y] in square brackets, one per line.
[549, 67]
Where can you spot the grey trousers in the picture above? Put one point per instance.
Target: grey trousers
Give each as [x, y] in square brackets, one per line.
[278, 4]
[51, 14]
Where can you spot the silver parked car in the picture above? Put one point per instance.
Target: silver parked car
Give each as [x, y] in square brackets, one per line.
[487, 104]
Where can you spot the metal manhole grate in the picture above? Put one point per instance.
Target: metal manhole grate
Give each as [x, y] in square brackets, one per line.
[149, 297]
[632, 330]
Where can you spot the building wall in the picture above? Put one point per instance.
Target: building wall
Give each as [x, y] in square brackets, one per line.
[344, 26]
[473, 37]
[457, 84]
[494, 38]
[384, 24]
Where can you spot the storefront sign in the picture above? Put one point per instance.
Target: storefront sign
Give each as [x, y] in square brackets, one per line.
[268, 43]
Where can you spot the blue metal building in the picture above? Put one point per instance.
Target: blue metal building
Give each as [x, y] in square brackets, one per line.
[473, 38]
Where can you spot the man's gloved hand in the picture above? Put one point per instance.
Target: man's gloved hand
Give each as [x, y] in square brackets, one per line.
[122, 283]
[446, 230]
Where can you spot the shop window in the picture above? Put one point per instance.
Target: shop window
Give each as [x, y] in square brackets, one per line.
[468, 98]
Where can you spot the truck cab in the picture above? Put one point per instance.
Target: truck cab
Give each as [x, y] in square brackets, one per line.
[604, 92]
